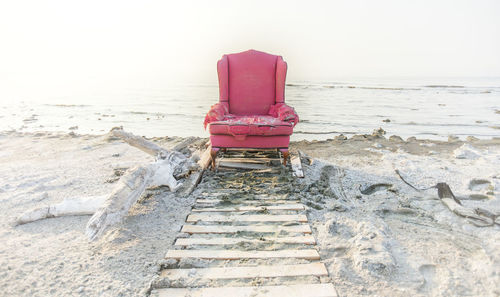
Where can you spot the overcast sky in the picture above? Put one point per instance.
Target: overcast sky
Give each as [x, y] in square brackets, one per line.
[156, 43]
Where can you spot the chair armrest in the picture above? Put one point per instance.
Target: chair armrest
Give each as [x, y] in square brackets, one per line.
[285, 113]
[216, 113]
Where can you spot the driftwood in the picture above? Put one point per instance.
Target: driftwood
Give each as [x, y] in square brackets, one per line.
[68, 207]
[195, 178]
[169, 166]
[111, 209]
[138, 142]
[478, 216]
[116, 206]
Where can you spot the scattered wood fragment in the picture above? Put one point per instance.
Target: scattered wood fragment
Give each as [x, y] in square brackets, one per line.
[296, 166]
[195, 178]
[477, 216]
[374, 188]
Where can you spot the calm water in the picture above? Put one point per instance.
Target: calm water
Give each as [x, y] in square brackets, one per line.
[425, 108]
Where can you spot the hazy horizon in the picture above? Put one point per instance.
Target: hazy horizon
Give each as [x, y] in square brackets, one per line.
[60, 44]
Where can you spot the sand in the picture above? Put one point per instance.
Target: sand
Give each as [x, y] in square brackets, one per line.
[393, 241]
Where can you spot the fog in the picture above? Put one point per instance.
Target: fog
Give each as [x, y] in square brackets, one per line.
[71, 45]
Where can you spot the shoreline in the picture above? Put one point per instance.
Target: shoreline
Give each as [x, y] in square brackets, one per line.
[390, 241]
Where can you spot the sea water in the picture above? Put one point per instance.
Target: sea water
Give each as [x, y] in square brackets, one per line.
[432, 108]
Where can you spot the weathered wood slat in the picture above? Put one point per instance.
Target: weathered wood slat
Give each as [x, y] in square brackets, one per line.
[258, 150]
[308, 254]
[245, 218]
[260, 201]
[312, 269]
[241, 165]
[251, 208]
[249, 160]
[296, 166]
[301, 290]
[224, 192]
[198, 229]
[307, 239]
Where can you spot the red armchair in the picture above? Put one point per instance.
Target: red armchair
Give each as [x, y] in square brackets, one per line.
[251, 112]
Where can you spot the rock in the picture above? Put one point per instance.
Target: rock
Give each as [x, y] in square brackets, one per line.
[478, 184]
[453, 138]
[358, 137]
[341, 137]
[396, 138]
[386, 121]
[378, 132]
[466, 151]
[167, 263]
[472, 139]
[411, 139]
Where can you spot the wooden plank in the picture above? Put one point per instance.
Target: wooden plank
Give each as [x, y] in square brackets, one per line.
[240, 165]
[307, 239]
[237, 149]
[199, 229]
[300, 290]
[236, 201]
[225, 192]
[308, 254]
[251, 208]
[248, 160]
[244, 272]
[205, 158]
[245, 218]
[296, 166]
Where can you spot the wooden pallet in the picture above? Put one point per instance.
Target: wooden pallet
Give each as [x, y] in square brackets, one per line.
[228, 234]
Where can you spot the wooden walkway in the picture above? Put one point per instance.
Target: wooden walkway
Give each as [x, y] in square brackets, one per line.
[257, 244]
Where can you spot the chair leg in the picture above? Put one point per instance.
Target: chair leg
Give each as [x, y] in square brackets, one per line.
[213, 155]
[286, 154]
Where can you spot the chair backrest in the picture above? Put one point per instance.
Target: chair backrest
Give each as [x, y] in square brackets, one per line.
[251, 81]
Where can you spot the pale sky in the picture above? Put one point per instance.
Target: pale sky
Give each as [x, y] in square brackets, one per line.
[49, 44]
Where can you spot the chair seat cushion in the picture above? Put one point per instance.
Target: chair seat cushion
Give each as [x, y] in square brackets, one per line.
[262, 125]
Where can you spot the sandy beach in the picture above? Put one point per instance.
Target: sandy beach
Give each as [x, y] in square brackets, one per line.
[383, 238]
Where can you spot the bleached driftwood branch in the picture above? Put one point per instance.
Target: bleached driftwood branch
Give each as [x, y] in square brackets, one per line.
[68, 207]
[169, 166]
[138, 142]
[111, 209]
[116, 206]
[477, 216]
